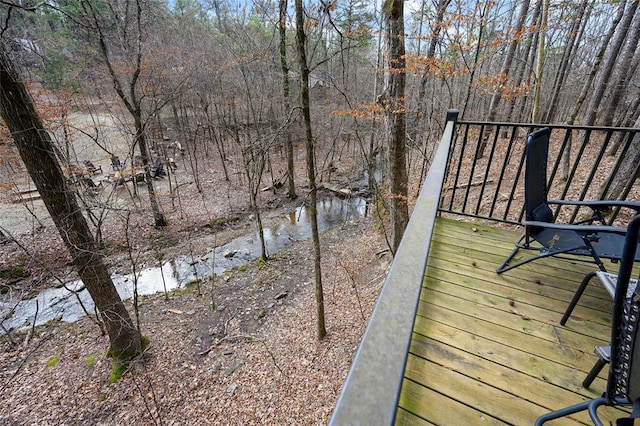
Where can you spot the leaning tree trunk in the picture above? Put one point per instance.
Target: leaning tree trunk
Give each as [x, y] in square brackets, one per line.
[595, 68]
[395, 79]
[573, 41]
[603, 82]
[282, 30]
[37, 152]
[437, 28]
[624, 76]
[629, 170]
[535, 113]
[311, 167]
[508, 60]
[586, 87]
[521, 71]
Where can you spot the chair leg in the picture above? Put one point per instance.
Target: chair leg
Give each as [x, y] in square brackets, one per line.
[576, 297]
[595, 370]
[505, 265]
[522, 242]
[562, 412]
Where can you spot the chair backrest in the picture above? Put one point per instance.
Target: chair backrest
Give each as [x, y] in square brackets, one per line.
[624, 371]
[535, 176]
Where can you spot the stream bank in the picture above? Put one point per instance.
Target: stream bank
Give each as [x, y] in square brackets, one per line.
[71, 301]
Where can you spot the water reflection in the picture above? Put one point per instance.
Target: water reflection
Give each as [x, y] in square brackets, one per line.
[295, 226]
[64, 303]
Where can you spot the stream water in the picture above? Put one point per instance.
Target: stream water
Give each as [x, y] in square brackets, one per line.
[68, 303]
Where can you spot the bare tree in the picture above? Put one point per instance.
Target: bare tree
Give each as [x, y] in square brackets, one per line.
[624, 66]
[615, 46]
[282, 31]
[523, 69]
[473, 67]
[311, 167]
[535, 114]
[573, 41]
[36, 148]
[628, 172]
[436, 29]
[395, 80]
[508, 59]
[127, 84]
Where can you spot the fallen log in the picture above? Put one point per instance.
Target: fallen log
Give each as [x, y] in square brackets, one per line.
[342, 192]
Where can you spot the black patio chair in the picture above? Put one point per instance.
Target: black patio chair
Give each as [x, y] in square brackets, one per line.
[609, 283]
[91, 168]
[116, 164]
[584, 238]
[623, 381]
[157, 168]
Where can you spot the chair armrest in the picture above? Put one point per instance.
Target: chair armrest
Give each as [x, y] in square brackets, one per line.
[599, 204]
[582, 229]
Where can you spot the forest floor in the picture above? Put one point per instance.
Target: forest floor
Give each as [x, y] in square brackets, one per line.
[236, 350]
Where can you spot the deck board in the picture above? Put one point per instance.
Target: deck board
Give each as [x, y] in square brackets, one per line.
[489, 348]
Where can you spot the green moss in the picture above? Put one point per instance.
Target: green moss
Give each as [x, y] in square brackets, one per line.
[144, 342]
[121, 360]
[53, 321]
[117, 370]
[154, 235]
[13, 272]
[53, 361]
[102, 397]
[175, 292]
[126, 356]
[243, 268]
[90, 362]
[194, 282]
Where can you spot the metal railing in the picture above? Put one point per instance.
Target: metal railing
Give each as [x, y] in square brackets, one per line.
[477, 172]
[372, 388]
[485, 169]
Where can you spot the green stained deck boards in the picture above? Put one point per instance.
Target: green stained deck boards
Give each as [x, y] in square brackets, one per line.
[489, 348]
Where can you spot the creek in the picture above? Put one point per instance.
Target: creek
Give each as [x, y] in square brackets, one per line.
[69, 302]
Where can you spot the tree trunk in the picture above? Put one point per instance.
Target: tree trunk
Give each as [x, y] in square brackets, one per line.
[572, 42]
[311, 168]
[282, 28]
[602, 84]
[595, 68]
[132, 99]
[395, 68]
[522, 71]
[535, 114]
[37, 152]
[622, 80]
[158, 217]
[566, 163]
[441, 8]
[508, 60]
[629, 169]
[473, 68]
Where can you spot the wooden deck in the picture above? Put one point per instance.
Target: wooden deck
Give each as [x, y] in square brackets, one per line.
[489, 348]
